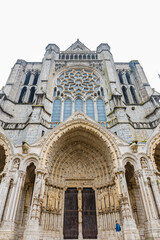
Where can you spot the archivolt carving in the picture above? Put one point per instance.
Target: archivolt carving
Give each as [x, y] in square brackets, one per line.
[101, 138]
[152, 147]
[8, 150]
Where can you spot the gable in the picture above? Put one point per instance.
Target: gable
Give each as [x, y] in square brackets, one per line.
[78, 46]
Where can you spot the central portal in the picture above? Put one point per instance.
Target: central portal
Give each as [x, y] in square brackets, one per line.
[80, 214]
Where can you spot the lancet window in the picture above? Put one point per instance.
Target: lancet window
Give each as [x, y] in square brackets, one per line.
[90, 108]
[101, 110]
[26, 82]
[78, 105]
[56, 111]
[133, 95]
[31, 96]
[22, 95]
[36, 78]
[80, 89]
[128, 86]
[67, 108]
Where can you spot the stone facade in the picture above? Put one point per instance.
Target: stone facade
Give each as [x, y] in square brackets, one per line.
[79, 148]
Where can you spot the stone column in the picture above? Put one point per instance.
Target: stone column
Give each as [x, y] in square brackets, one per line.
[156, 193]
[4, 188]
[80, 213]
[15, 196]
[130, 230]
[140, 183]
[152, 227]
[32, 231]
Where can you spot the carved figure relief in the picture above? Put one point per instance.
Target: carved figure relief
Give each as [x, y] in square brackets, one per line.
[16, 163]
[144, 163]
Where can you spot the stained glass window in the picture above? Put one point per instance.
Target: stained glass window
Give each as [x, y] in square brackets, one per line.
[67, 108]
[56, 111]
[78, 105]
[101, 110]
[90, 108]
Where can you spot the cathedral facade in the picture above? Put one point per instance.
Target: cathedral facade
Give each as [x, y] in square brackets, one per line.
[79, 148]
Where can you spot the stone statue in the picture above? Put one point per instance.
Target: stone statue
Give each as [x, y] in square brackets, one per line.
[16, 164]
[60, 200]
[44, 201]
[144, 162]
[50, 199]
[106, 200]
[39, 186]
[111, 199]
[103, 201]
[99, 201]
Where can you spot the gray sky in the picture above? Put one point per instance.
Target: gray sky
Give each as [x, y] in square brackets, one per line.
[130, 27]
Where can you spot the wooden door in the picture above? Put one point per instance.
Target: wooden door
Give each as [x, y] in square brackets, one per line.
[89, 219]
[70, 227]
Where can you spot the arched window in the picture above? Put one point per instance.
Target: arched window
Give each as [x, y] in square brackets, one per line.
[22, 95]
[133, 95]
[101, 110]
[26, 82]
[67, 108]
[56, 113]
[31, 96]
[90, 108]
[128, 78]
[78, 105]
[84, 56]
[120, 77]
[93, 57]
[124, 90]
[35, 78]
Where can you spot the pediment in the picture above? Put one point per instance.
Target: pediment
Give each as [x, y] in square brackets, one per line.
[77, 46]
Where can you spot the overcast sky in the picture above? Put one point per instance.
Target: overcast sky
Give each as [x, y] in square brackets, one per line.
[130, 27]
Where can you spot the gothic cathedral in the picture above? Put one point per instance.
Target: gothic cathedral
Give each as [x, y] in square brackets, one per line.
[79, 148]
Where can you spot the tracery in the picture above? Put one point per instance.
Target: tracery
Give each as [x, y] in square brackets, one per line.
[79, 89]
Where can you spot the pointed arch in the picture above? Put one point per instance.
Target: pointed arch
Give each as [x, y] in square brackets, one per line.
[84, 138]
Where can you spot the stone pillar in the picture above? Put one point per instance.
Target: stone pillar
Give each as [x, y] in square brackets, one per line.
[156, 193]
[140, 183]
[32, 231]
[4, 188]
[80, 213]
[15, 196]
[130, 231]
[152, 227]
